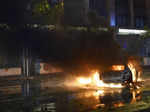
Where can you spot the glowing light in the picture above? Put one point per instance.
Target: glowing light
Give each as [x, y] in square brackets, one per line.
[139, 76]
[118, 67]
[135, 96]
[84, 81]
[133, 71]
[135, 77]
[100, 83]
[100, 92]
[120, 104]
[139, 79]
[131, 32]
[95, 80]
[112, 20]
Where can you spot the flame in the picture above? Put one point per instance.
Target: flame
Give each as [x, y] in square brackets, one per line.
[133, 71]
[136, 95]
[85, 81]
[139, 79]
[100, 83]
[136, 75]
[139, 76]
[118, 67]
[133, 97]
[99, 92]
[95, 80]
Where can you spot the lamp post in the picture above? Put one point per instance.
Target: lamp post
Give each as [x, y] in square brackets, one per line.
[131, 7]
[26, 62]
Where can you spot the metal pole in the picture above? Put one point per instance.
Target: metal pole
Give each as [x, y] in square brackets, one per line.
[131, 5]
[27, 62]
[24, 62]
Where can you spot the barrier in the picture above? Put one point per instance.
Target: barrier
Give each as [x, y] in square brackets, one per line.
[10, 71]
[44, 68]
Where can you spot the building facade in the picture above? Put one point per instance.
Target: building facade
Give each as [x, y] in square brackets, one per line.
[129, 17]
[104, 8]
[123, 13]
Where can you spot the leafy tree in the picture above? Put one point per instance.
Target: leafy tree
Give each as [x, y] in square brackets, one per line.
[47, 13]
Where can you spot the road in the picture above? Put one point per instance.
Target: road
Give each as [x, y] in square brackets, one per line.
[55, 93]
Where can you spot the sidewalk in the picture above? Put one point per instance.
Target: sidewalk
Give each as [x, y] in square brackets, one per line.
[18, 79]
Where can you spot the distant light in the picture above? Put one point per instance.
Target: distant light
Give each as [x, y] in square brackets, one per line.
[131, 32]
[112, 20]
[35, 25]
[118, 67]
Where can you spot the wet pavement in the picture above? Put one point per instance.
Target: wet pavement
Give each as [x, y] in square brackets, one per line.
[52, 95]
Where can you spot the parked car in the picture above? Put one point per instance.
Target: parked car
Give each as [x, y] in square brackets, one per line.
[117, 74]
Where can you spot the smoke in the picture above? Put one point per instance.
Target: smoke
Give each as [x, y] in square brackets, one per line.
[72, 51]
[81, 51]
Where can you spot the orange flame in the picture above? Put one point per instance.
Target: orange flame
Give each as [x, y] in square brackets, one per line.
[100, 83]
[135, 96]
[95, 80]
[133, 71]
[85, 81]
[135, 74]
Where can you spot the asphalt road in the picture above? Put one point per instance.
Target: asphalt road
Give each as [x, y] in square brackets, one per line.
[55, 93]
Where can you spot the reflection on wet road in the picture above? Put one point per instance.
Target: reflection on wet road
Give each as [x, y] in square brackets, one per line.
[32, 96]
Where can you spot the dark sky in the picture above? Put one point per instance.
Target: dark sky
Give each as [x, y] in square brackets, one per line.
[10, 11]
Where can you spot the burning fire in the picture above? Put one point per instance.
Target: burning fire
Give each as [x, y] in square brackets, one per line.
[135, 74]
[133, 71]
[85, 80]
[95, 80]
[136, 95]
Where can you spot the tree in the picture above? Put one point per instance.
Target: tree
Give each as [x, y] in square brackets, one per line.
[46, 13]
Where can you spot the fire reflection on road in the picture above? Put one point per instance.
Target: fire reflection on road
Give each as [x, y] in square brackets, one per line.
[35, 98]
[106, 99]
